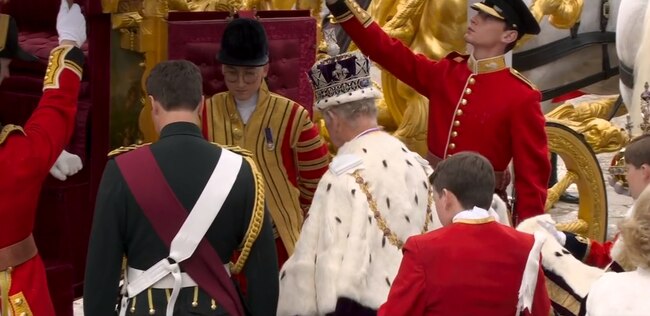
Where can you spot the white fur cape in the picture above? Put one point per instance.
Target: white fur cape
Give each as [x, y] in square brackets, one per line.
[341, 251]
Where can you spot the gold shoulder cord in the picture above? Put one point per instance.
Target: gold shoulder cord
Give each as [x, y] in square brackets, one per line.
[257, 219]
[381, 222]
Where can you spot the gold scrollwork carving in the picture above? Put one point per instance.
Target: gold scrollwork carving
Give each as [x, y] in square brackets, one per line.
[587, 118]
[556, 191]
[578, 226]
[580, 161]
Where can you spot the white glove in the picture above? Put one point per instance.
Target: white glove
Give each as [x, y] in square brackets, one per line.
[66, 165]
[71, 24]
[550, 228]
[618, 186]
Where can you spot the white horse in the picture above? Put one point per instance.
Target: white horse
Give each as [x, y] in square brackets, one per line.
[581, 63]
[633, 48]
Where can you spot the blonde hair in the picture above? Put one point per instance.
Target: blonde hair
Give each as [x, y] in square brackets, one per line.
[635, 232]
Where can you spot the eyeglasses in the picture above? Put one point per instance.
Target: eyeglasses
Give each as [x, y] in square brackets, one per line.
[249, 75]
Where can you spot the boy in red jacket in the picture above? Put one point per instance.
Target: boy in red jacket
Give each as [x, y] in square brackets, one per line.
[473, 265]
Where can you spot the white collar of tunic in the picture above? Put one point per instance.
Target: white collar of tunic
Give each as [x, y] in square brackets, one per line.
[246, 107]
[476, 215]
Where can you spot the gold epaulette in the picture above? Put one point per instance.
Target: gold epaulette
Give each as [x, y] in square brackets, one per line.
[236, 149]
[521, 77]
[8, 129]
[124, 149]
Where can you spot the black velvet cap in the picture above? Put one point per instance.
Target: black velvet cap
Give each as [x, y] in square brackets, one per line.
[244, 43]
[514, 12]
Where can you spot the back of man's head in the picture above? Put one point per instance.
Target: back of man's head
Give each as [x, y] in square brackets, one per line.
[353, 110]
[176, 85]
[469, 176]
[637, 152]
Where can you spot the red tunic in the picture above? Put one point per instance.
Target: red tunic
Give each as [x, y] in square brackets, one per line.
[25, 160]
[490, 109]
[599, 254]
[464, 269]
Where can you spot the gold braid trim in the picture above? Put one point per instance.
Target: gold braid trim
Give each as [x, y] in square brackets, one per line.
[18, 303]
[255, 225]
[381, 222]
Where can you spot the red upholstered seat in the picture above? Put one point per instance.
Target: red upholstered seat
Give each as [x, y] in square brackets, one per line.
[40, 44]
[292, 49]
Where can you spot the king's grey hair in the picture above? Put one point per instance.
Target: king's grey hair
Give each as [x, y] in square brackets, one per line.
[352, 110]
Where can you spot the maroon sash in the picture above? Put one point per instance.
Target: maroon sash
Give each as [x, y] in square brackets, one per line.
[166, 214]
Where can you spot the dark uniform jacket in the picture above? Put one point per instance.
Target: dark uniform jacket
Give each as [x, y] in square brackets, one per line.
[120, 228]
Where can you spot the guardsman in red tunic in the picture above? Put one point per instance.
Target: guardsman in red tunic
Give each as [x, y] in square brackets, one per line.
[476, 102]
[26, 155]
[473, 265]
[285, 143]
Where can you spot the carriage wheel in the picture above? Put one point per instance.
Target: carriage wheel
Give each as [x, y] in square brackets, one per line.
[584, 170]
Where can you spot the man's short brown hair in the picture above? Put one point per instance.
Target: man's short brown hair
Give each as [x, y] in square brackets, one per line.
[176, 84]
[469, 176]
[637, 152]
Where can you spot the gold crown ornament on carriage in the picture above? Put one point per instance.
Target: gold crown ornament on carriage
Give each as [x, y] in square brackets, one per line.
[617, 168]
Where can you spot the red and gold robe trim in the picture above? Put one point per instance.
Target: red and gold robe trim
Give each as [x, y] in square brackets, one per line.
[286, 147]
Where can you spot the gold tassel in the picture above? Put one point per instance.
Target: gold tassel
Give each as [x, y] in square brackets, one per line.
[195, 301]
[152, 311]
[133, 305]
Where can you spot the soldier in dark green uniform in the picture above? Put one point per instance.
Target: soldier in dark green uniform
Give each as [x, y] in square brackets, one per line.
[186, 160]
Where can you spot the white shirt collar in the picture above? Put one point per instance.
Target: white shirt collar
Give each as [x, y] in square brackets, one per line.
[475, 213]
[246, 107]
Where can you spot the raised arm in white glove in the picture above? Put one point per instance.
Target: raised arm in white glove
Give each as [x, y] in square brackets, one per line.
[71, 24]
[66, 165]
